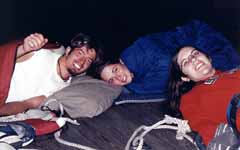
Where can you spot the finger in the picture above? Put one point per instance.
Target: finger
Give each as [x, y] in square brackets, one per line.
[28, 42]
[34, 43]
[40, 39]
[45, 41]
[36, 40]
[39, 36]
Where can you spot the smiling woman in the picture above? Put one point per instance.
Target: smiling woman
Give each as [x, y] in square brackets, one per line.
[196, 87]
[194, 64]
[116, 74]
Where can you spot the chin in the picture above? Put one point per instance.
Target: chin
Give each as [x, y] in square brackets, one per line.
[74, 73]
[125, 83]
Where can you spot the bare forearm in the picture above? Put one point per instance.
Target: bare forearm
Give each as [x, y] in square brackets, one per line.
[21, 106]
[13, 108]
[20, 51]
[31, 43]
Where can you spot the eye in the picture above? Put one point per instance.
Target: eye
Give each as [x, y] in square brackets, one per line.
[91, 50]
[89, 61]
[184, 63]
[195, 53]
[115, 70]
[80, 52]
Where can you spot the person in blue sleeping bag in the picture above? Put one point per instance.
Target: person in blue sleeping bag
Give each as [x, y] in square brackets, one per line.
[143, 68]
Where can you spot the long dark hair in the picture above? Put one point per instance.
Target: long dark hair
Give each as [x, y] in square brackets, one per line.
[177, 87]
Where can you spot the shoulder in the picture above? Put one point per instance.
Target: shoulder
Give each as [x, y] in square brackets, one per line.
[40, 54]
[47, 54]
[25, 57]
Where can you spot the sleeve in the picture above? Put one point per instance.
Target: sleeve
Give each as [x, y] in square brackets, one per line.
[7, 61]
[149, 64]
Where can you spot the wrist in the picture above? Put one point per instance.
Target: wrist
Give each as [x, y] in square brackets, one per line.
[20, 50]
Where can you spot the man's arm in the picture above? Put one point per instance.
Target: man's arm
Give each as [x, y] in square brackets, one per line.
[12, 108]
[31, 43]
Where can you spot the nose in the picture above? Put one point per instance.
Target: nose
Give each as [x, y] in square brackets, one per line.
[191, 58]
[81, 61]
[118, 76]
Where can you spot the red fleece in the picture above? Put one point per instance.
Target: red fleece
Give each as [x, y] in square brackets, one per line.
[205, 106]
[7, 61]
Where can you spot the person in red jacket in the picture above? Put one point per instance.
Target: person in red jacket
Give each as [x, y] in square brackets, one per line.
[201, 92]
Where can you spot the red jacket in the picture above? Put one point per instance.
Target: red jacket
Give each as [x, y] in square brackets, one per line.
[7, 61]
[205, 106]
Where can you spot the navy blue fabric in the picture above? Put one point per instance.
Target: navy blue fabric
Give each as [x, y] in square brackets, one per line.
[232, 113]
[149, 57]
[21, 133]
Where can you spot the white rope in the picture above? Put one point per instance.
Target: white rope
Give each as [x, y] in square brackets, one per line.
[59, 105]
[79, 146]
[182, 128]
[30, 114]
[62, 141]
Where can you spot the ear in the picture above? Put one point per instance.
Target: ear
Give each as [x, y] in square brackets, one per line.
[121, 62]
[68, 49]
[185, 79]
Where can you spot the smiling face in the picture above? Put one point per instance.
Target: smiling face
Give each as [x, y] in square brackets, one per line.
[79, 59]
[194, 64]
[116, 74]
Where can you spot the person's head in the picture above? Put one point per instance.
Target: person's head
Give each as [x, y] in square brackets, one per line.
[188, 66]
[115, 72]
[83, 52]
[194, 64]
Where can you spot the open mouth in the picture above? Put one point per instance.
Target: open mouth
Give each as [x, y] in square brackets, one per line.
[124, 78]
[199, 66]
[76, 66]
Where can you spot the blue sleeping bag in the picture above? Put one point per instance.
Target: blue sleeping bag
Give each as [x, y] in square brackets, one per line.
[150, 56]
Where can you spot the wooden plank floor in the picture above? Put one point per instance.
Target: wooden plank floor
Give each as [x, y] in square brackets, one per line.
[112, 129]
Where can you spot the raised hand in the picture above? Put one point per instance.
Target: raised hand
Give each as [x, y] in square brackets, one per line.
[34, 42]
[31, 43]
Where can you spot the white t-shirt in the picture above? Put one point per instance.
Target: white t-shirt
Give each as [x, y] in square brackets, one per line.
[36, 76]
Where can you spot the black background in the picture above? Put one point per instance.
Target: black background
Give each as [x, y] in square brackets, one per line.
[117, 23]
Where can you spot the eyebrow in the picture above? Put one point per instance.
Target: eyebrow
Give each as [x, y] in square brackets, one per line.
[187, 57]
[193, 50]
[112, 69]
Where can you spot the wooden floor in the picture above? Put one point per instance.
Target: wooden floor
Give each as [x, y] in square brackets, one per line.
[112, 129]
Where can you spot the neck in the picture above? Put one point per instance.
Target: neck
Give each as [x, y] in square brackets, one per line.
[61, 69]
[212, 73]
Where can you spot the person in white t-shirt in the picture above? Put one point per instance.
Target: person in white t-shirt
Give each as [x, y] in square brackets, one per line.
[39, 73]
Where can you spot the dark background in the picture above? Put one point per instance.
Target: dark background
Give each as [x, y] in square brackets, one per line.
[116, 22]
